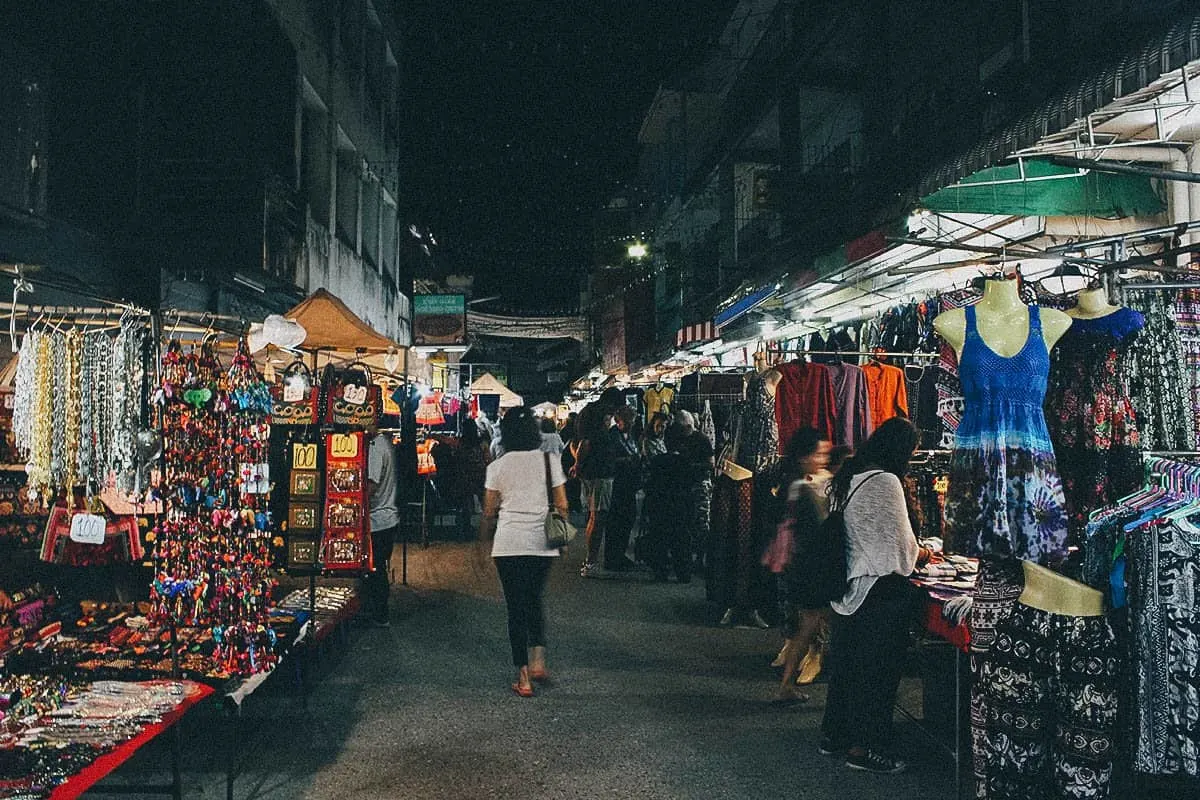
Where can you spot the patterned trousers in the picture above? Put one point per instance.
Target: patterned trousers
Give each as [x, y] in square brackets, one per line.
[997, 588]
[1049, 686]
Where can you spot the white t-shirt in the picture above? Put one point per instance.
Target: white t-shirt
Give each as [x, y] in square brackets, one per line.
[552, 443]
[520, 478]
[381, 470]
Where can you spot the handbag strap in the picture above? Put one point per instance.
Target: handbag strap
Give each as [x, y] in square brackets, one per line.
[549, 489]
[854, 491]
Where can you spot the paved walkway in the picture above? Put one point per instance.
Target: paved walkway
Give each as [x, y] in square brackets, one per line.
[649, 701]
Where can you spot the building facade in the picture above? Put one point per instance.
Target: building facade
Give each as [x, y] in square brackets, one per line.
[235, 156]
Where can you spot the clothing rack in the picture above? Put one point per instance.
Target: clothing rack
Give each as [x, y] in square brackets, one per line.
[1160, 287]
[864, 353]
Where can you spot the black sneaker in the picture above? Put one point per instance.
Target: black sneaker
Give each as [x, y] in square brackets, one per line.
[828, 748]
[870, 761]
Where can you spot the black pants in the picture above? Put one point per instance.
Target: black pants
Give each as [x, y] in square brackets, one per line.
[668, 536]
[866, 655]
[377, 586]
[621, 516]
[524, 582]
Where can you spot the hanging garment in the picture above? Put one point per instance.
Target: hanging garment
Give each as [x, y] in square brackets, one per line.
[1090, 415]
[1005, 497]
[659, 398]
[886, 392]
[1050, 691]
[1187, 318]
[1157, 385]
[1164, 583]
[804, 398]
[706, 425]
[851, 403]
[758, 442]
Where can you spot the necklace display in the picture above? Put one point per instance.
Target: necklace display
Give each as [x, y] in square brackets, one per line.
[72, 422]
[213, 547]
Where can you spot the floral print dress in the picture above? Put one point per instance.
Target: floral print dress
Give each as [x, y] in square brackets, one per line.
[1005, 498]
[1091, 416]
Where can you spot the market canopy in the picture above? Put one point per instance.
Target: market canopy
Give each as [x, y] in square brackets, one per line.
[487, 383]
[333, 326]
[1037, 188]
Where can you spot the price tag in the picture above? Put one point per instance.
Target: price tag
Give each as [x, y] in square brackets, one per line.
[941, 484]
[304, 456]
[293, 392]
[343, 445]
[10, 400]
[87, 529]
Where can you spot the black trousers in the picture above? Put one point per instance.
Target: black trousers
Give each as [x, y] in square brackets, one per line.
[524, 582]
[866, 656]
[621, 516]
[377, 586]
[668, 535]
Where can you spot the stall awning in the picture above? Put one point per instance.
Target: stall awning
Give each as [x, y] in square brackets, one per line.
[1037, 188]
[744, 305]
[487, 383]
[332, 326]
[699, 333]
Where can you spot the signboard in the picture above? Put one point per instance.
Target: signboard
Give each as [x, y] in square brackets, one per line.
[439, 319]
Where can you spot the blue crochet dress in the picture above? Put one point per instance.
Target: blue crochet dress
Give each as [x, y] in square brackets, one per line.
[1005, 498]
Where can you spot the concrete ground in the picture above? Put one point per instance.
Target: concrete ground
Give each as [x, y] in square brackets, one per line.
[649, 700]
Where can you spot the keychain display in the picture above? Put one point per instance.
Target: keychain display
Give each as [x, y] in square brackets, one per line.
[345, 541]
[212, 549]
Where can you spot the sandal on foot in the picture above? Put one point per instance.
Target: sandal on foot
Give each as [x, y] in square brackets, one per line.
[522, 691]
[790, 699]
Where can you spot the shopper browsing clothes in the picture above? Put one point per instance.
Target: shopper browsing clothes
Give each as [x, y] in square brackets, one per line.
[595, 466]
[805, 480]
[385, 520]
[870, 623]
[514, 513]
[696, 481]
[626, 483]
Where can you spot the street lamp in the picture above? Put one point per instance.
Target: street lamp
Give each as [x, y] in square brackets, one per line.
[637, 250]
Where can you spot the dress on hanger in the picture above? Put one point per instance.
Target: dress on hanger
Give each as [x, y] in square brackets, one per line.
[1005, 498]
[1091, 416]
[758, 445]
[852, 404]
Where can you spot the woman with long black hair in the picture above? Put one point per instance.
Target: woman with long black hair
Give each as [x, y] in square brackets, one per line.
[870, 622]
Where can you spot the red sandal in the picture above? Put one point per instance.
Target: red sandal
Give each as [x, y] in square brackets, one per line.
[522, 691]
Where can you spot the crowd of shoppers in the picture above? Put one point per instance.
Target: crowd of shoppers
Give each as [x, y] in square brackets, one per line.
[672, 463]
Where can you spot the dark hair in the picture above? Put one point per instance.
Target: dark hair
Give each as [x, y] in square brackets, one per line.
[470, 433]
[889, 448]
[519, 430]
[547, 425]
[611, 399]
[802, 445]
[838, 455]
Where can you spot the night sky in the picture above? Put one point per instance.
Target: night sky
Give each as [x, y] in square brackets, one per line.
[521, 121]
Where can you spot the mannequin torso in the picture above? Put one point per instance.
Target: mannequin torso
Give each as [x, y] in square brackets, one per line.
[1002, 319]
[1092, 304]
[1058, 594]
[771, 380]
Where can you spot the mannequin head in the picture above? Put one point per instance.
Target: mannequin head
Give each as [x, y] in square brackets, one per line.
[1093, 300]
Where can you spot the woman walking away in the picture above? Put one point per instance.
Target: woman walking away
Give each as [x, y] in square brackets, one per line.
[804, 484]
[514, 513]
[870, 626]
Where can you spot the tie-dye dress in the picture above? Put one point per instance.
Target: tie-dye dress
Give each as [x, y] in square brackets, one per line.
[1005, 498]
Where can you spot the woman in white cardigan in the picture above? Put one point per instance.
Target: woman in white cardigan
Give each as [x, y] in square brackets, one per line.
[870, 622]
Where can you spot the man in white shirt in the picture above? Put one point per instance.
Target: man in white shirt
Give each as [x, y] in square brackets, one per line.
[385, 520]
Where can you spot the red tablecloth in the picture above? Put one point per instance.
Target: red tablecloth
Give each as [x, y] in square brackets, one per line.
[89, 776]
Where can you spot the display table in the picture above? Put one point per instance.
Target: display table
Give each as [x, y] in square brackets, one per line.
[93, 712]
[938, 584]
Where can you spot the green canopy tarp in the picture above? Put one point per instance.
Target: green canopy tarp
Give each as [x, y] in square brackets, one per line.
[1045, 189]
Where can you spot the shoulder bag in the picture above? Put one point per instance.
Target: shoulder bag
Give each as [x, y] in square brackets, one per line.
[559, 530]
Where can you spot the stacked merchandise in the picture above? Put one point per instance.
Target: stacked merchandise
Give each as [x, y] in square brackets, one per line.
[212, 550]
[51, 730]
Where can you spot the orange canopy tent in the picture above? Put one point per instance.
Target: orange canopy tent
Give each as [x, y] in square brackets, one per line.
[333, 326]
